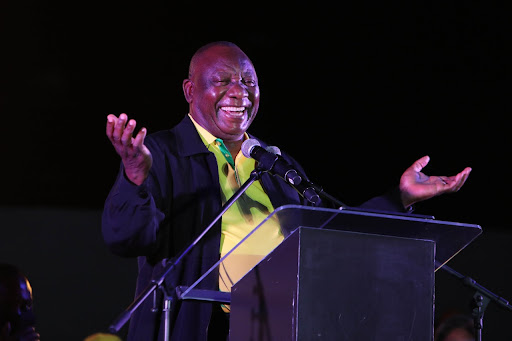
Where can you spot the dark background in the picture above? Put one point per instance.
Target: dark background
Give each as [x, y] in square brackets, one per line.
[355, 92]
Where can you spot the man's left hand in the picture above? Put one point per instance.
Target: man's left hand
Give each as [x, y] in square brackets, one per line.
[415, 186]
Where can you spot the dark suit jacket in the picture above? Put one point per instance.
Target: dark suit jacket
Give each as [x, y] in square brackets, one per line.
[159, 219]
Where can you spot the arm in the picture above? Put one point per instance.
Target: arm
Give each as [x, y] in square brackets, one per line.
[415, 186]
[130, 217]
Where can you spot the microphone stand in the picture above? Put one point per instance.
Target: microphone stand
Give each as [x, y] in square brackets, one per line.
[313, 192]
[480, 300]
[326, 195]
[121, 320]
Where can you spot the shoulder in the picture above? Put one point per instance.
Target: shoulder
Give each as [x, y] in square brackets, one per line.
[182, 140]
[160, 140]
[169, 137]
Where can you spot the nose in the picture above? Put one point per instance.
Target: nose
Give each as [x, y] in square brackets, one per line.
[238, 89]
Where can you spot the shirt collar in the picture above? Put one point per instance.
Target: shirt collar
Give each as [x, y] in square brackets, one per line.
[206, 135]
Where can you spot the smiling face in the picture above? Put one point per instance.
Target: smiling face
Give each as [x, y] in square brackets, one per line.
[222, 91]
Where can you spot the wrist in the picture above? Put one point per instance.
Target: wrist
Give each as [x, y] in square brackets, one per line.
[135, 178]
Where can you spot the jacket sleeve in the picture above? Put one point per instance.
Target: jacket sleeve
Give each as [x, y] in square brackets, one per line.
[389, 201]
[130, 219]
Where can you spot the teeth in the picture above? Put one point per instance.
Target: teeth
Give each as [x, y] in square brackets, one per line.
[233, 108]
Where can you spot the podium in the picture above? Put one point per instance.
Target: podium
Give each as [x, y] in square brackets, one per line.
[340, 275]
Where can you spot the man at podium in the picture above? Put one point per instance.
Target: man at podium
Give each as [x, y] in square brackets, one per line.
[173, 183]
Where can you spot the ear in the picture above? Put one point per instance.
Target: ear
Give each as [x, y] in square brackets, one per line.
[188, 89]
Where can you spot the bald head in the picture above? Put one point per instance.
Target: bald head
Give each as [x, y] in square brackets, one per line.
[203, 49]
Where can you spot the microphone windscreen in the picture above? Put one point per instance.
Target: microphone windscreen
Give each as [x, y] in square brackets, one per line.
[273, 150]
[248, 145]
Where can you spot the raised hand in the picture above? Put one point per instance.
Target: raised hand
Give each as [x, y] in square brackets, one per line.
[136, 157]
[416, 186]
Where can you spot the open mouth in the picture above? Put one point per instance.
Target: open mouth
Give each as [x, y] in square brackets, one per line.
[235, 112]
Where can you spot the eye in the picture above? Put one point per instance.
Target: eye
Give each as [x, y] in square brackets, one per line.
[250, 82]
[221, 82]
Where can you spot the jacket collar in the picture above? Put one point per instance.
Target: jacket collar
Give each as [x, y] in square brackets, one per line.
[189, 142]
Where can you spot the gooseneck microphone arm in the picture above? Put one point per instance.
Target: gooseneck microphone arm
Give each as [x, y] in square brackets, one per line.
[271, 159]
[327, 196]
[273, 162]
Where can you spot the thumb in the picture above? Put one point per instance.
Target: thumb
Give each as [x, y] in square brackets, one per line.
[421, 163]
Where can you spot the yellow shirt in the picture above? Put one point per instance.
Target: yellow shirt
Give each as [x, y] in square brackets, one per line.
[243, 216]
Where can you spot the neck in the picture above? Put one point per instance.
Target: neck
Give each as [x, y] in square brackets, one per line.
[233, 147]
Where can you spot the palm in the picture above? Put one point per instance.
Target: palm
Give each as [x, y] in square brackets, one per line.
[416, 186]
[136, 157]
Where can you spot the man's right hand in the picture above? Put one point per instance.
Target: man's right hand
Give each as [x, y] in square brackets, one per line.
[136, 157]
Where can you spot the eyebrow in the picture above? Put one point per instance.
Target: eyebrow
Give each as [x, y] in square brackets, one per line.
[224, 73]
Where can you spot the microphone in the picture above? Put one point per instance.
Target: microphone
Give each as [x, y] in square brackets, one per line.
[307, 189]
[269, 161]
[273, 150]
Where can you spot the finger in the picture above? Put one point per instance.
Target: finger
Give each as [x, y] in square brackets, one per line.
[457, 181]
[139, 139]
[462, 177]
[119, 127]
[467, 170]
[421, 163]
[111, 121]
[126, 138]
